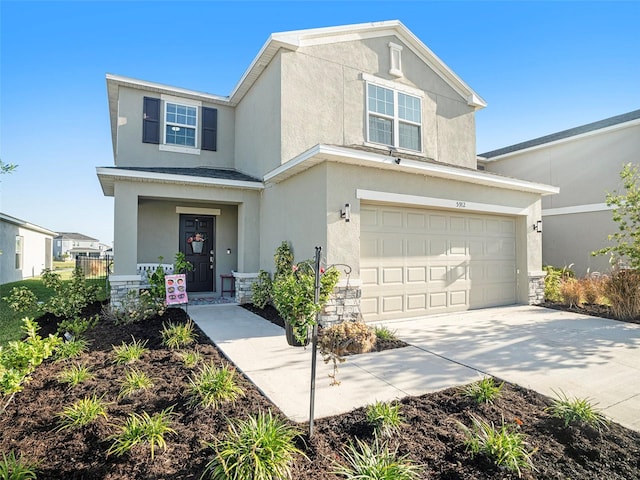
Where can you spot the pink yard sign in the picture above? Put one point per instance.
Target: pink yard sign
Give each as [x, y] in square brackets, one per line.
[176, 286]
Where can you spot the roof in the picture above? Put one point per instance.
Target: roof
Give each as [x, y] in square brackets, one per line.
[293, 40]
[196, 176]
[565, 134]
[24, 224]
[75, 236]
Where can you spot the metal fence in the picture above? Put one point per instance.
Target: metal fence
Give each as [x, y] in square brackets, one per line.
[95, 268]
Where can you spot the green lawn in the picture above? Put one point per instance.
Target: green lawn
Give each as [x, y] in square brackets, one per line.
[11, 321]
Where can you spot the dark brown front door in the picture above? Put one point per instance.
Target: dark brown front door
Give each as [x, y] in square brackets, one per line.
[197, 242]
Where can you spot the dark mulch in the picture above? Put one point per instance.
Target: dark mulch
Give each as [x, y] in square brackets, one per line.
[431, 437]
[595, 310]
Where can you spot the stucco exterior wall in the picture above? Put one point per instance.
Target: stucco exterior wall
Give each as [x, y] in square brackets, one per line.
[295, 210]
[585, 169]
[148, 225]
[132, 152]
[324, 100]
[34, 257]
[258, 116]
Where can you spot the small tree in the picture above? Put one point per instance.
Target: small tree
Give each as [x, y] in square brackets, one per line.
[626, 213]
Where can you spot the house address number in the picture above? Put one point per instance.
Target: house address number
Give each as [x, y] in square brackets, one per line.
[461, 204]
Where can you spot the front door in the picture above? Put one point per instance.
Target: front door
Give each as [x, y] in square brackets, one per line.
[197, 242]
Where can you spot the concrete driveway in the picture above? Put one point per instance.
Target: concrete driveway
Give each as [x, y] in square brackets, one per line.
[534, 347]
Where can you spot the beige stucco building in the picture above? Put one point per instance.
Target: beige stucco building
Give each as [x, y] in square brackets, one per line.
[356, 138]
[585, 163]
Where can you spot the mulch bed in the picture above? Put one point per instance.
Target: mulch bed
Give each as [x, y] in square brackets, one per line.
[431, 437]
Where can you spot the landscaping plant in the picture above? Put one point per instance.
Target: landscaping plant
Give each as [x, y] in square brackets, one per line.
[261, 447]
[134, 381]
[384, 333]
[75, 375]
[571, 292]
[503, 446]
[142, 429]
[262, 290]
[341, 339]
[16, 468]
[577, 411]
[21, 299]
[135, 307]
[483, 391]
[178, 335]
[385, 418]
[376, 462]
[82, 412]
[622, 289]
[191, 358]
[71, 297]
[129, 352]
[212, 386]
[71, 349]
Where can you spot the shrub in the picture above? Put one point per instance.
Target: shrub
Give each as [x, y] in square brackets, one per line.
[591, 289]
[19, 359]
[212, 386]
[82, 413]
[577, 410]
[338, 340]
[260, 448]
[503, 446]
[135, 307]
[483, 391]
[71, 297]
[376, 462]
[21, 299]
[622, 288]
[384, 333]
[129, 352]
[385, 418]
[571, 292]
[553, 279]
[16, 468]
[262, 290]
[142, 429]
[134, 381]
[75, 375]
[178, 335]
[77, 326]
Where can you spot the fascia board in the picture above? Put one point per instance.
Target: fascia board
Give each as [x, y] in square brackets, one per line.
[166, 89]
[321, 153]
[26, 225]
[108, 176]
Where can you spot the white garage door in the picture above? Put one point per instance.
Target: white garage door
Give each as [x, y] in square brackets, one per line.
[415, 262]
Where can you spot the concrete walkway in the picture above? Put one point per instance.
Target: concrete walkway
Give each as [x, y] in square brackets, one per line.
[534, 347]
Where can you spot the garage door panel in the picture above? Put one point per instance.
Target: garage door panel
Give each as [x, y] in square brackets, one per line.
[368, 217]
[391, 275]
[417, 262]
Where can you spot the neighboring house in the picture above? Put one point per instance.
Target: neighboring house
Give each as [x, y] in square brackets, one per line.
[356, 138]
[26, 249]
[71, 245]
[585, 162]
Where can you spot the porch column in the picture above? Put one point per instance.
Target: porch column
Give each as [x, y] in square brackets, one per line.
[125, 229]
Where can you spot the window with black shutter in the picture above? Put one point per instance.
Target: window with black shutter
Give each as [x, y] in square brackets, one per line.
[151, 120]
[209, 128]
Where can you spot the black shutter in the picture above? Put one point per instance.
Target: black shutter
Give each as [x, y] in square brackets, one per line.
[151, 120]
[209, 128]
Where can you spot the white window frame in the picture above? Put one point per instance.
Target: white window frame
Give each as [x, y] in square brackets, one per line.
[186, 102]
[19, 252]
[395, 119]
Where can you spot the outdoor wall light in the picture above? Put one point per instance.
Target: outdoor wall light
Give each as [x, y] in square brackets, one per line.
[346, 213]
[537, 227]
[228, 251]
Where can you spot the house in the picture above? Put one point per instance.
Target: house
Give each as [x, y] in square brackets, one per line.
[585, 162]
[69, 245]
[355, 138]
[26, 249]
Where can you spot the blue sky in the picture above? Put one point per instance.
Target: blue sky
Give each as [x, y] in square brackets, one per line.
[541, 66]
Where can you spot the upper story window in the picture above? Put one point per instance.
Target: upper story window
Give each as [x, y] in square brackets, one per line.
[394, 118]
[181, 122]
